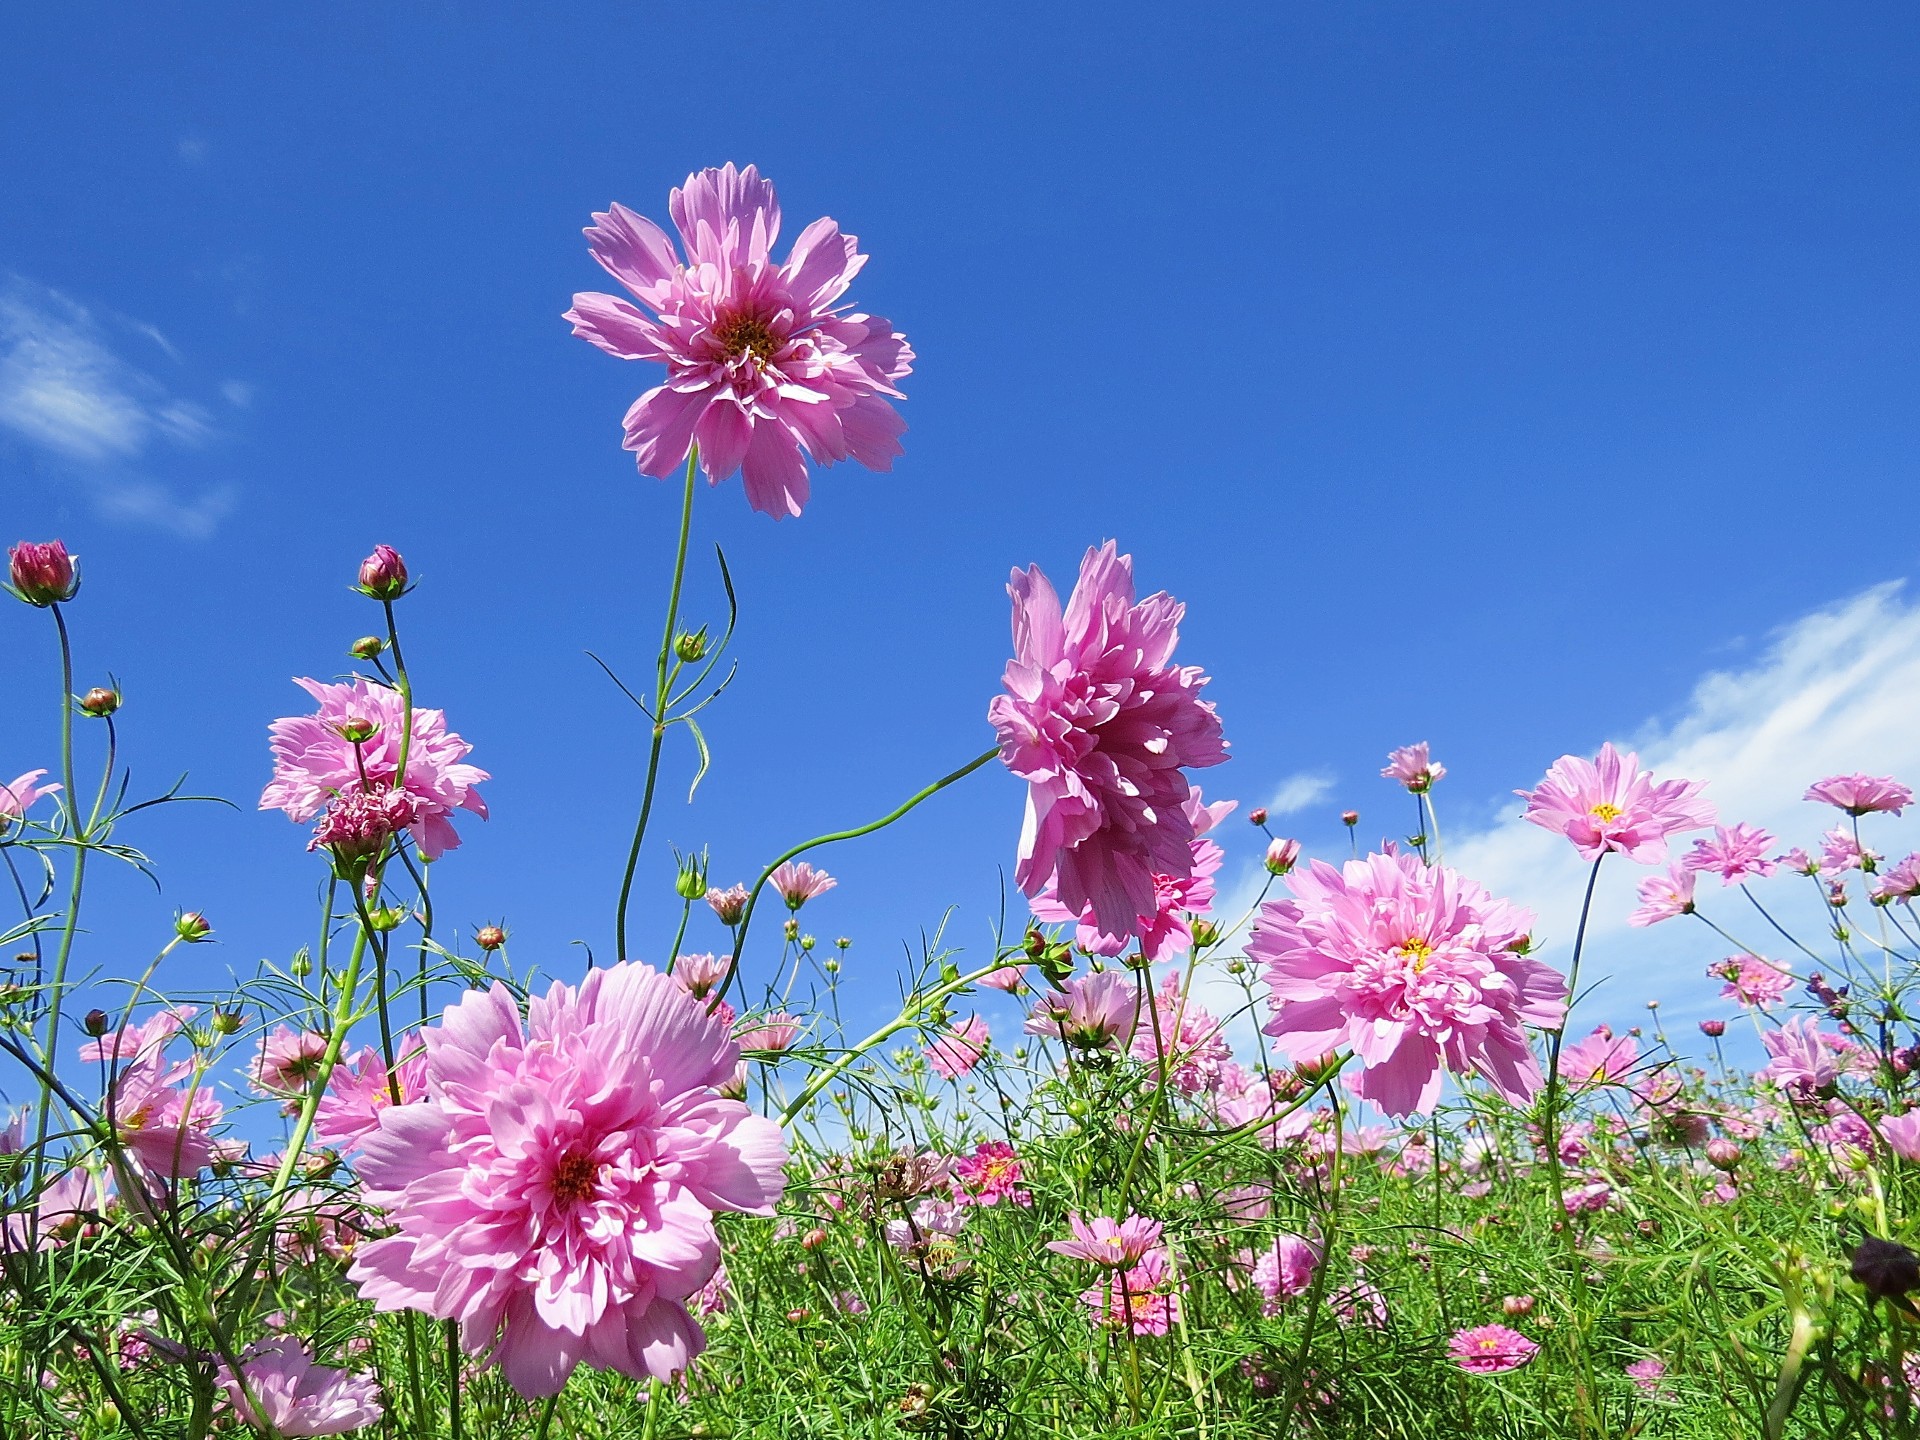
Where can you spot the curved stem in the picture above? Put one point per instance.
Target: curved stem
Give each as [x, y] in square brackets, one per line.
[663, 672]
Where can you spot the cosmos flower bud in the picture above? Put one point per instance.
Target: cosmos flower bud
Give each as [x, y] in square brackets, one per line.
[1205, 933]
[191, 926]
[690, 645]
[729, 904]
[1517, 1305]
[43, 574]
[100, 702]
[1713, 1029]
[1282, 856]
[1723, 1154]
[227, 1022]
[490, 937]
[383, 574]
[386, 917]
[1257, 815]
[691, 883]
[97, 1023]
[367, 647]
[356, 730]
[1886, 1267]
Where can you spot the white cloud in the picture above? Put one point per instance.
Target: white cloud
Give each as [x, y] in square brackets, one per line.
[66, 390]
[1300, 792]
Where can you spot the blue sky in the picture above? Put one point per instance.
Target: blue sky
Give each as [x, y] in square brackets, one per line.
[1489, 376]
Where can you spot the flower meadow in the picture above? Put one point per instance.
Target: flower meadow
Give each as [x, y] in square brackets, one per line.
[1348, 1163]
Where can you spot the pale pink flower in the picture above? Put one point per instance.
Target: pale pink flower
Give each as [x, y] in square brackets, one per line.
[799, 882]
[729, 904]
[1194, 1046]
[1141, 1300]
[1664, 896]
[1734, 854]
[1099, 723]
[1610, 803]
[313, 761]
[1416, 968]
[17, 797]
[164, 1120]
[958, 1049]
[932, 1226]
[1646, 1373]
[1901, 882]
[1411, 767]
[1008, 978]
[284, 1060]
[1841, 851]
[1490, 1349]
[1603, 1058]
[765, 368]
[1902, 1134]
[1097, 1012]
[1284, 1270]
[698, 974]
[1806, 1060]
[65, 1207]
[1587, 1199]
[774, 1031]
[988, 1176]
[294, 1396]
[1861, 794]
[555, 1191]
[1801, 863]
[1115, 1244]
[1752, 981]
[135, 1042]
[1257, 1102]
[358, 1091]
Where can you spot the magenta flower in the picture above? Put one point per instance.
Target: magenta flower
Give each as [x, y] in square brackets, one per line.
[357, 824]
[1902, 1134]
[1603, 1058]
[313, 761]
[1284, 1270]
[1115, 1244]
[1806, 1060]
[383, 574]
[1186, 1037]
[765, 369]
[1861, 794]
[1646, 1374]
[1142, 1300]
[555, 1191]
[1610, 803]
[1733, 854]
[989, 1175]
[43, 573]
[1414, 967]
[1753, 981]
[1840, 852]
[1411, 767]
[1097, 1012]
[958, 1049]
[65, 1208]
[286, 1391]
[359, 1090]
[1490, 1349]
[15, 798]
[1664, 896]
[1099, 724]
[772, 1032]
[799, 882]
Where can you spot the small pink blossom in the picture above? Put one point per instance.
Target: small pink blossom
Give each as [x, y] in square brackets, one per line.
[1490, 1349]
[774, 1032]
[135, 1042]
[766, 369]
[1646, 1374]
[1411, 767]
[1753, 981]
[285, 1391]
[1806, 1060]
[65, 1208]
[1101, 725]
[1841, 851]
[1603, 1058]
[1664, 896]
[1102, 1241]
[1610, 803]
[1734, 854]
[1008, 978]
[1901, 882]
[1097, 1012]
[358, 1091]
[163, 1118]
[1902, 1134]
[1284, 1270]
[958, 1049]
[285, 1060]
[1586, 1199]
[357, 824]
[1861, 794]
[1798, 861]
[1185, 1036]
[15, 799]
[798, 882]
[989, 1175]
[1142, 1299]
[729, 904]
[698, 974]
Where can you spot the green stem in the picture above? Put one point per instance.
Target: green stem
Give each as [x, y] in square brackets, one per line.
[663, 677]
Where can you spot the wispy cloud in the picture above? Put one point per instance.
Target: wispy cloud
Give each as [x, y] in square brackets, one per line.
[1300, 792]
[67, 391]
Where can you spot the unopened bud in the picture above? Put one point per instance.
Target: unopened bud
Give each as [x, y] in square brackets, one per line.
[1236, 966]
[792, 928]
[1205, 933]
[691, 883]
[690, 645]
[367, 647]
[356, 730]
[100, 702]
[386, 917]
[1723, 1154]
[813, 1239]
[1517, 1305]
[490, 937]
[43, 574]
[302, 965]
[807, 942]
[97, 1023]
[845, 942]
[1257, 815]
[1713, 1029]
[191, 926]
[227, 1022]
[383, 574]
[830, 965]
[1349, 818]
[1282, 856]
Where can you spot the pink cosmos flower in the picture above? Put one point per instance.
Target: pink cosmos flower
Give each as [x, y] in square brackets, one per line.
[1166, 932]
[1801, 863]
[313, 761]
[1861, 794]
[1284, 1270]
[1841, 851]
[1099, 724]
[164, 1121]
[1733, 854]
[1142, 1299]
[555, 1191]
[1258, 1101]
[1115, 1244]
[1752, 981]
[294, 1396]
[1610, 803]
[729, 904]
[1411, 767]
[1414, 967]
[65, 1208]
[17, 797]
[1806, 1060]
[1490, 1349]
[774, 1031]
[765, 369]
[1097, 1012]
[1603, 1058]
[359, 1090]
[1194, 1046]
[799, 882]
[285, 1060]
[1008, 978]
[929, 1231]
[1646, 1373]
[959, 1049]
[138, 1041]
[1902, 1134]
[1901, 882]
[988, 1176]
[43, 573]
[698, 974]
[357, 824]
[1664, 896]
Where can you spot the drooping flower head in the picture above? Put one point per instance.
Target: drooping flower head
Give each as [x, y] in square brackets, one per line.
[1734, 854]
[765, 368]
[1861, 794]
[137, 1040]
[798, 882]
[15, 798]
[313, 760]
[286, 1391]
[1610, 803]
[958, 1049]
[1416, 968]
[772, 1032]
[1665, 895]
[729, 904]
[1099, 723]
[1413, 769]
[698, 974]
[1097, 1012]
[555, 1190]
[1008, 978]
[1490, 1349]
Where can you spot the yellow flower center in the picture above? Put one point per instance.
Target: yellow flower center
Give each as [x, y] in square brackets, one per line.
[1605, 811]
[1417, 951]
[746, 335]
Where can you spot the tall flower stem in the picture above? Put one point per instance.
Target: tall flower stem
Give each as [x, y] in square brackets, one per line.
[663, 673]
